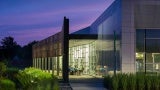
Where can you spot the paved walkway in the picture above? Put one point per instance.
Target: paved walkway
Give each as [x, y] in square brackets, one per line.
[86, 83]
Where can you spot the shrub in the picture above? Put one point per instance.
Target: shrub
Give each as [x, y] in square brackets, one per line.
[141, 81]
[155, 83]
[32, 78]
[132, 82]
[148, 82]
[11, 74]
[115, 83]
[124, 81]
[56, 86]
[119, 76]
[6, 84]
[2, 69]
[24, 79]
[107, 80]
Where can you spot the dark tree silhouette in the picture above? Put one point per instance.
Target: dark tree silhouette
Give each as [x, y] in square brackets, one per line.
[27, 53]
[14, 54]
[10, 48]
[8, 43]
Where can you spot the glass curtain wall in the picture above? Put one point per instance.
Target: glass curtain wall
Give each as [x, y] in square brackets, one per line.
[109, 36]
[148, 50]
[57, 66]
[51, 64]
[109, 51]
[82, 59]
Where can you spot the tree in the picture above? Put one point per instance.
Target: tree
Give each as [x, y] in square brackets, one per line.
[10, 47]
[2, 69]
[8, 42]
[27, 53]
[14, 54]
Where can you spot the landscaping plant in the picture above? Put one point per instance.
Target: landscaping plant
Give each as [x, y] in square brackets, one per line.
[6, 84]
[148, 82]
[107, 80]
[115, 83]
[139, 81]
[32, 78]
[131, 82]
[124, 82]
[2, 69]
[155, 83]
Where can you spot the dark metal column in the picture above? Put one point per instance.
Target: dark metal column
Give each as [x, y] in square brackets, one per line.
[65, 49]
[115, 61]
[145, 51]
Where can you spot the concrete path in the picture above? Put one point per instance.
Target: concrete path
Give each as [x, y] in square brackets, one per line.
[86, 83]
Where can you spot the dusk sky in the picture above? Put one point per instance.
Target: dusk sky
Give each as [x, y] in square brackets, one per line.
[28, 20]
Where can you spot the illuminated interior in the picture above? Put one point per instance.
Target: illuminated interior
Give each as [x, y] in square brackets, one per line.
[82, 57]
[148, 50]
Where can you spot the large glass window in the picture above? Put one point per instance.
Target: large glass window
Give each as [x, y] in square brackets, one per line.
[82, 59]
[109, 38]
[148, 50]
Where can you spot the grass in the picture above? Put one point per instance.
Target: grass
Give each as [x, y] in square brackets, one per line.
[132, 82]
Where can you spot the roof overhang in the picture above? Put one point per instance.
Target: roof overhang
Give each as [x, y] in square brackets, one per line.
[83, 36]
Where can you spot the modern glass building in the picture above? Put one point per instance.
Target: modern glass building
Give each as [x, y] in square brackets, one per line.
[124, 38]
[48, 54]
[128, 34]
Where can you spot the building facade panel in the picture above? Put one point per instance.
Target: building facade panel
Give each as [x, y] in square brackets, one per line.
[47, 54]
[127, 36]
[140, 14]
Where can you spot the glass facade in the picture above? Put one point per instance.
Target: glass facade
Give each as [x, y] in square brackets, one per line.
[148, 50]
[109, 37]
[49, 64]
[83, 58]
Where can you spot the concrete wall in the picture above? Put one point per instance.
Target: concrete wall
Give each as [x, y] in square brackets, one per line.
[128, 37]
[136, 14]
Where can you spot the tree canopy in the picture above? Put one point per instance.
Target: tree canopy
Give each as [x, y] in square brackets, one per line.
[8, 42]
[14, 54]
[10, 47]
